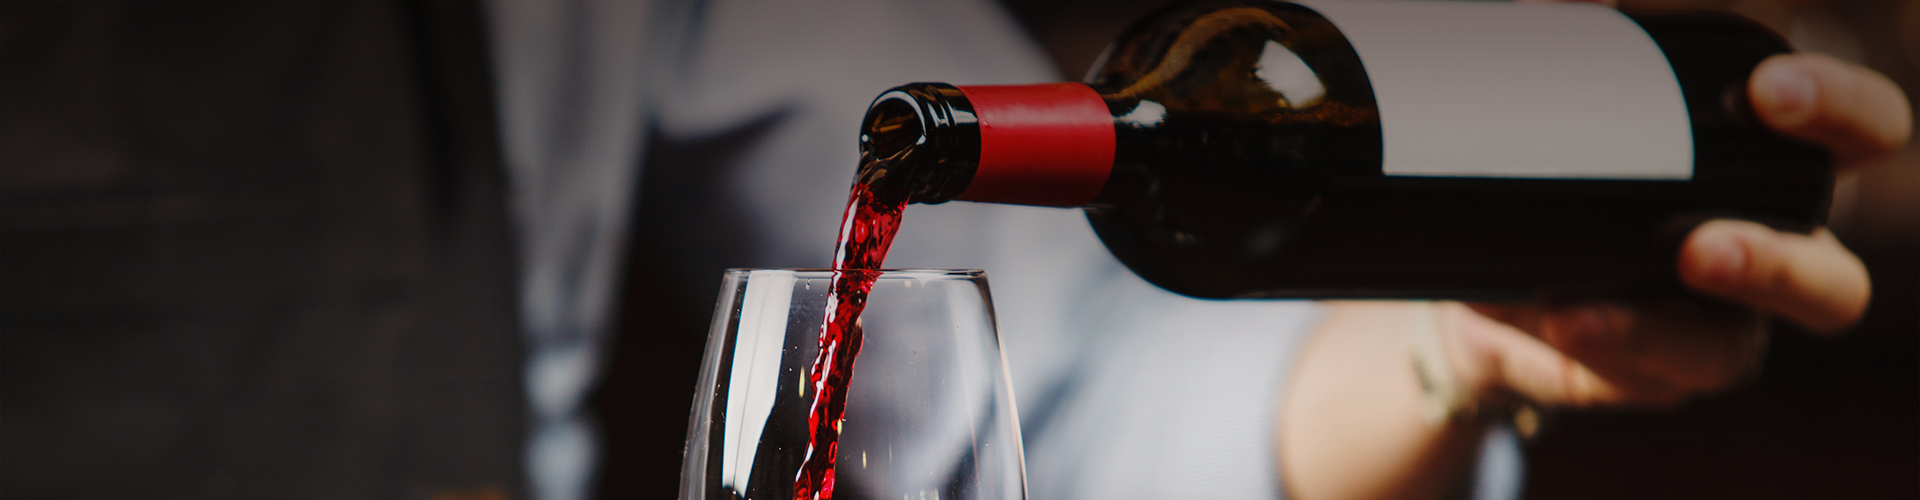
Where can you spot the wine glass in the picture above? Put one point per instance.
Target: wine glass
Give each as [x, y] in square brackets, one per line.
[929, 412]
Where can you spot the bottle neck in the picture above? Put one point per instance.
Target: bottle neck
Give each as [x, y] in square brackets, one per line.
[1047, 144]
[919, 141]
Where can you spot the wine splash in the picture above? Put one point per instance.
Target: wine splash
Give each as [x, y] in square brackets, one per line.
[866, 231]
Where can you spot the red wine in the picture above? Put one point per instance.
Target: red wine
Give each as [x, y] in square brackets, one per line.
[866, 231]
[1267, 149]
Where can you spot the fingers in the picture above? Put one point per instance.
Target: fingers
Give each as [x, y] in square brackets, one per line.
[1678, 345]
[1810, 279]
[1854, 111]
[1649, 353]
[1505, 362]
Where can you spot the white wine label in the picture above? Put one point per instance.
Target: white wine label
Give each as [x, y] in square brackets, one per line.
[1495, 89]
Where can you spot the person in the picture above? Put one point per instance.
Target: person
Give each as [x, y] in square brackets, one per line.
[242, 261]
[1127, 391]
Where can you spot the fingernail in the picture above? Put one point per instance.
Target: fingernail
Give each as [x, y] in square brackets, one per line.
[1723, 260]
[1792, 88]
[1583, 325]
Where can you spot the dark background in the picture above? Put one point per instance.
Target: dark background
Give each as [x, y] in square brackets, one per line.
[1828, 418]
[253, 250]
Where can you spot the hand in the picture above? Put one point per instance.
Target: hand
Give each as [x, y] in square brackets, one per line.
[1355, 423]
[1661, 352]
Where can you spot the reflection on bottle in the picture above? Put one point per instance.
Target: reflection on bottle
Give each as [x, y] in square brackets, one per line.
[1285, 73]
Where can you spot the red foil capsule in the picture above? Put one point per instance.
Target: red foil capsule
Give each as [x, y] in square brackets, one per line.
[1048, 144]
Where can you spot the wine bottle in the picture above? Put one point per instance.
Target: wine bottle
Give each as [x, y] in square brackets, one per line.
[1381, 149]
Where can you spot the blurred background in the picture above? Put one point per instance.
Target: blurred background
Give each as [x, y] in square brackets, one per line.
[264, 250]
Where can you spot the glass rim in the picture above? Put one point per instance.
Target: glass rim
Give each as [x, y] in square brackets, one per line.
[920, 273]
